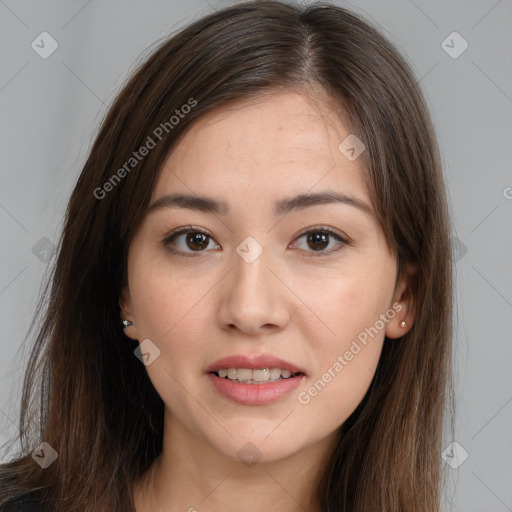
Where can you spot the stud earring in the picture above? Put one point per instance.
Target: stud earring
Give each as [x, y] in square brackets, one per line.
[402, 325]
[126, 323]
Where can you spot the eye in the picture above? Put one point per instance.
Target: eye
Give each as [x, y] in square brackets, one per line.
[188, 238]
[319, 238]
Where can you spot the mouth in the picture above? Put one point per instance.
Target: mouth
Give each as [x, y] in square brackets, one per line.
[257, 367]
[258, 376]
[256, 379]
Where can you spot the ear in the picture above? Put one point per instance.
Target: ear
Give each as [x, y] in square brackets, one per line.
[405, 301]
[126, 313]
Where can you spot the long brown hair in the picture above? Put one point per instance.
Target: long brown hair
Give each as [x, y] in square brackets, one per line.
[85, 393]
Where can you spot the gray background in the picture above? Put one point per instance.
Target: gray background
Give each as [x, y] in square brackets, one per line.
[51, 109]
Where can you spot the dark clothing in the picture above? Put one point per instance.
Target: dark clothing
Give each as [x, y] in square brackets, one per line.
[25, 503]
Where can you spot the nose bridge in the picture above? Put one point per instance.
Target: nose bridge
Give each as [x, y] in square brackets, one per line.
[252, 297]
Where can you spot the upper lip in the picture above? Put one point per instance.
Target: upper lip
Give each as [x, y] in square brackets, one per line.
[254, 362]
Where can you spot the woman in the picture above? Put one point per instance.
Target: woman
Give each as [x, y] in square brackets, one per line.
[251, 305]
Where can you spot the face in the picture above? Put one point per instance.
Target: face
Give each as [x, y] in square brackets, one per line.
[310, 282]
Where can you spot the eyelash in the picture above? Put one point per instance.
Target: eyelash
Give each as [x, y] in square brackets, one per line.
[168, 240]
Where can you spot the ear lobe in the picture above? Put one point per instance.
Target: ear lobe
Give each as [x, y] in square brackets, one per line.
[126, 314]
[405, 296]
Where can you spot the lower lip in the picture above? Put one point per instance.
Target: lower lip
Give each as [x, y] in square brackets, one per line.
[255, 394]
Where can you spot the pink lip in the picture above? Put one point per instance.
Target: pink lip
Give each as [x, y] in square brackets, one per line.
[255, 394]
[254, 362]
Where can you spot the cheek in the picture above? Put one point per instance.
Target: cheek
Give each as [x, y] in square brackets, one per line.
[161, 295]
[345, 356]
[344, 366]
[174, 311]
[349, 303]
[170, 312]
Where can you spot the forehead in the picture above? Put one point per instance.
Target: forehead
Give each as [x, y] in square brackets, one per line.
[271, 146]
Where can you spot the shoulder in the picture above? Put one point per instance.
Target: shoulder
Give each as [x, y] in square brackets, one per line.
[26, 503]
[29, 501]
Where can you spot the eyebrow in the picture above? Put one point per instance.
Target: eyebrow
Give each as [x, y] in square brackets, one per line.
[281, 207]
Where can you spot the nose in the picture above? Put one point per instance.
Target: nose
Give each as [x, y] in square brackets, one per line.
[253, 298]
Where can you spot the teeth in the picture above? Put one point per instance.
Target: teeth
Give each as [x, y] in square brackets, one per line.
[248, 376]
[243, 374]
[261, 375]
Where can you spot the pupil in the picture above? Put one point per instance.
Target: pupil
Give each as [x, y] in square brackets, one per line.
[197, 239]
[319, 238]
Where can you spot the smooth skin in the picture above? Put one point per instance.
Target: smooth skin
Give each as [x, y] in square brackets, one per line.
[303, 301]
